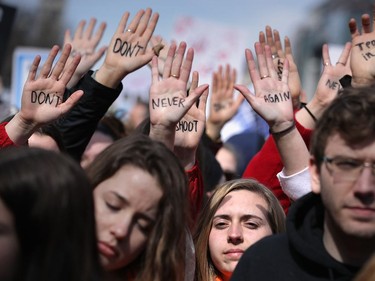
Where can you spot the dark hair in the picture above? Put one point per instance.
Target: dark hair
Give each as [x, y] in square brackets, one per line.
[51, 201]
[111, 126]
[351, 114]
[164, 256]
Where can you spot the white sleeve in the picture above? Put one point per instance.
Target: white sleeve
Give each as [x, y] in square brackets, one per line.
[296, 185]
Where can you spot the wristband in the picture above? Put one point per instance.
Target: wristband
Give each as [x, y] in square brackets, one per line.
[283, 132]
[309, 112]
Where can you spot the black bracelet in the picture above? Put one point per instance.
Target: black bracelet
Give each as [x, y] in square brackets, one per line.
[309, 112]
[283, 132]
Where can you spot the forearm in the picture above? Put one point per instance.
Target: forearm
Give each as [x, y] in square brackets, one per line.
[293, 152]
[20, 130]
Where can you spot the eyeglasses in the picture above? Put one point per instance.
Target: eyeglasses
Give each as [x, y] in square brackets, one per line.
[346, 168]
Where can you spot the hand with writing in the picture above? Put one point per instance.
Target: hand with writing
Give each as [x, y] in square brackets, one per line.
[190, 128]
[127, 50]
[362, 60]
[272, 38]
[169, 101]
[42, 97]
[328, 86]
[272, 99]
[84, 43]
[223, 104]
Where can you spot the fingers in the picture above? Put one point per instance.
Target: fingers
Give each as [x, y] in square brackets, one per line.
[135, 22]
[270, 66]
[285, 74]
[366, 23]
[155, 69]
[122, 24]
[245, 92]
[353, 28]
[79, 31]
[67, 70]
[194, 81]
[48, 63]
[141, 27]
[270, 42]
[203, 101]
[278, 45]
[344, 57]
[169, 60]
[34, 68]
[59, 66]
[70, 102]
[99, 34]
[325, 55]
[262, 63]
[187, 65]
[253, 71]
[177, 60]
[151, 27]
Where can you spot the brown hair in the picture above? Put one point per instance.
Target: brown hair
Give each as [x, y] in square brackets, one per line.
[164, 256]
[206, 271]
[351, 114]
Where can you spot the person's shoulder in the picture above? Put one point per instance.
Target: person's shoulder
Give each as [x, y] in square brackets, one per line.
[265, 260]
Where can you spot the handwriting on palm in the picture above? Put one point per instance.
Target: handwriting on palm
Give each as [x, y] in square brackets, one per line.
[272, 98]
[362, 59]
[274, 41]
[42, 98]
[127, 50]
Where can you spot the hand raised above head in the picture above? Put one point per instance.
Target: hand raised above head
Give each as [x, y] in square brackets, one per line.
[127, 50]
[362, 59]
[272, 99]
[272, 38]
[84, 43]
[169, 99]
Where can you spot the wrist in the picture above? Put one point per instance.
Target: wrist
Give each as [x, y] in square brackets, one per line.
[20, 129]
[213, 131]
[108, 76]
[282, 128]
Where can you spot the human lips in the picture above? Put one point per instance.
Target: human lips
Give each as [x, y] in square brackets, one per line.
[107, 250]
[361, 212]
[234, 253]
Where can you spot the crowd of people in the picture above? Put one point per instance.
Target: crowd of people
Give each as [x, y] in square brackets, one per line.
[86, 196]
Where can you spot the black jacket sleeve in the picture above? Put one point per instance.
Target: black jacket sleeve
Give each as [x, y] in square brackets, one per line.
[79, 124]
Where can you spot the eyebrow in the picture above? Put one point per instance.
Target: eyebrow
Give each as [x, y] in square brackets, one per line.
[243, 217]
[140, 215]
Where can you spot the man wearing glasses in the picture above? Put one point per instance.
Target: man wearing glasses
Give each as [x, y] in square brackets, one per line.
[330, 231]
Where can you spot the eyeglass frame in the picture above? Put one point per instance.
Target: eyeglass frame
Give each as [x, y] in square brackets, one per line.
[361, 164]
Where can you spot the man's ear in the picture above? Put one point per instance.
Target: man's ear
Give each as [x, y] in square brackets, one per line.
[315, 175]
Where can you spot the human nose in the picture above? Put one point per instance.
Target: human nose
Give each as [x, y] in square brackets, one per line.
[364, 188]
[121, 229]
[235, 234]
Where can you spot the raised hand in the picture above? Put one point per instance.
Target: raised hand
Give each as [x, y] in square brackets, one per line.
[169, 101]
[84, 43]
[190, 128]
[272, 99]
[42, 96]
[272, 38]
[223, 104]
[128, 51]
[362, 61]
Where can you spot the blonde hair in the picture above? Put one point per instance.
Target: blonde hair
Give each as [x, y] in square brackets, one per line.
[205, 270]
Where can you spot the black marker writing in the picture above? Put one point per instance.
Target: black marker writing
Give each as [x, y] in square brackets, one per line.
[44, 98]
[125, 48]
[277, 97]
[165, 102]
[332, 84]
[187, 126]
